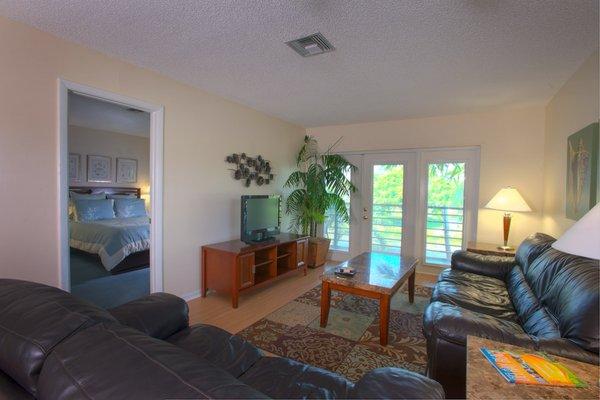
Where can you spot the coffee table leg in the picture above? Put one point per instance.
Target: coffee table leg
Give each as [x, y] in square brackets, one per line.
[384, 318]
[411, 288]
[325, 300]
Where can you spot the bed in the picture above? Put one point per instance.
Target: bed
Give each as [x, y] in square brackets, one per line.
[121, 244]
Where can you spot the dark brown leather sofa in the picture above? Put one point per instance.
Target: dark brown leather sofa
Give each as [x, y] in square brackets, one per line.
[54, 346]
[542, 299]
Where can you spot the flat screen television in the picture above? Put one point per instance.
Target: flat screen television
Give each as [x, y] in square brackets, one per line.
[261, 216]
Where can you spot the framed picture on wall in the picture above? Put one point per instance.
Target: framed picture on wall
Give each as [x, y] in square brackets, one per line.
[74, 167]
[126, 170]
[582, 171]
[99, 169]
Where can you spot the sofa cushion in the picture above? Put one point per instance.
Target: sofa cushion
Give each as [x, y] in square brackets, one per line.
[568, 287]
[453, 324]
[531, 248]
[9, 389]
[110, 361]
[402, 384]
[34, 319]
[230, 352]
[158, 314]
[534, 317]
[482, 264]
[280, 377]
[478, 293]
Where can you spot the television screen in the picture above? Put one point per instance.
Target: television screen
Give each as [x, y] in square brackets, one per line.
[260, 217]
[262, 213]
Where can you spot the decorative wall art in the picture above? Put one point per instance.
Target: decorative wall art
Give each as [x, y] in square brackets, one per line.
[248, 169]
[99, 169]
[126, 170]
[582, 171]
[74, 167]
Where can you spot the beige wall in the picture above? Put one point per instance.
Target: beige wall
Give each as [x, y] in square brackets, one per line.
[86, 141]
[575, 106]
[511, 142]
[201, 200]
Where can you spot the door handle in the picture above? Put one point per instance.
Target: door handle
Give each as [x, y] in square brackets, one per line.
[365, 215]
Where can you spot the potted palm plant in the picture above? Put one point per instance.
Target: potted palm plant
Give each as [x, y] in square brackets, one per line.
[319, 184]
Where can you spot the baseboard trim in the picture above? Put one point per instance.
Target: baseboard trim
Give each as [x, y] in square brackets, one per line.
[191, 295]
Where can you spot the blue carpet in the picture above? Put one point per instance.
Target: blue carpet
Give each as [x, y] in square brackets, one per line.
[85, 267]
[91, 282]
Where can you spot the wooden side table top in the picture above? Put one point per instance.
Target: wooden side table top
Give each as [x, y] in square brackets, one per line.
[489, 249]
[484, 382]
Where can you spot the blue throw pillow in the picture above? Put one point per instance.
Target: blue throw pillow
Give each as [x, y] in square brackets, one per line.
[127, 208]
[92, 210]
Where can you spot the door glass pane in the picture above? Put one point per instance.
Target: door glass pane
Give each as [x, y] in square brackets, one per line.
[335, 228]
[386, 221]
[445, 211]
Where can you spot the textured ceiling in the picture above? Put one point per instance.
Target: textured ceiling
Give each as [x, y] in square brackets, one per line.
[393, 59]
[105, 116]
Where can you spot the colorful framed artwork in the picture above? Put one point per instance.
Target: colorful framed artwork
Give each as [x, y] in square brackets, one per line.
[582, 171]
[99, 169]
[74, 167]
[126, 170]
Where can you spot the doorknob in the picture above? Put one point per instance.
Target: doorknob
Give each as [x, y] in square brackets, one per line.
[365, 215]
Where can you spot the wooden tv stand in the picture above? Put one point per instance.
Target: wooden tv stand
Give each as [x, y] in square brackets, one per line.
[235, 266]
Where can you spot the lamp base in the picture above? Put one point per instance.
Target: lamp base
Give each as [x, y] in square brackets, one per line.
[506, 248]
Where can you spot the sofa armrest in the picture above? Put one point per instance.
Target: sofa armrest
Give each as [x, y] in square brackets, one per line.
[397, 383]
[158, 315]
[488, 265]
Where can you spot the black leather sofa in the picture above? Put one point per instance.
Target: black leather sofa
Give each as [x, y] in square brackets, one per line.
[541, 299]
[54, 346]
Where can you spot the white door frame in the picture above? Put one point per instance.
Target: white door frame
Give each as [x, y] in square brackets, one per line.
[156, 176]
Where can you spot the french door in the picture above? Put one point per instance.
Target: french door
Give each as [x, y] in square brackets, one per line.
[419, 203]
[388, 203]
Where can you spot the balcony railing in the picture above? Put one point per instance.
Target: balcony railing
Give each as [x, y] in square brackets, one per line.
[337, 230]
[444, 233]
[386, 228]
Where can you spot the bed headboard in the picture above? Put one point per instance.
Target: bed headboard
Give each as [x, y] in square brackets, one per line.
[106, 189]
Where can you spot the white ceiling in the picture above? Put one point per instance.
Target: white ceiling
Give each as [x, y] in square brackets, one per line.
[102, 115]
[393, 59]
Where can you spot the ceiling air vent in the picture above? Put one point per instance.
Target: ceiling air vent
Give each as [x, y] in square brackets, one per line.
[311, 45]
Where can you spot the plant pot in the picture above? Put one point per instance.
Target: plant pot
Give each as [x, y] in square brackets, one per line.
[317, 251]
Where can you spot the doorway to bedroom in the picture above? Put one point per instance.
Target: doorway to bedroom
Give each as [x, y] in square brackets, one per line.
[107, 186]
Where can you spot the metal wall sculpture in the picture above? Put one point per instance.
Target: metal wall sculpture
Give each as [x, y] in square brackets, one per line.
[248, 169]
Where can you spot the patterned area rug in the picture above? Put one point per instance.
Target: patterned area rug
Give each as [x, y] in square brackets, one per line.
[349, 345]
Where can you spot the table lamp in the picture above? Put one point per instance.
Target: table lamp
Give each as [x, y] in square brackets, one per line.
[509, 200]
[145, 195]
[583, 238]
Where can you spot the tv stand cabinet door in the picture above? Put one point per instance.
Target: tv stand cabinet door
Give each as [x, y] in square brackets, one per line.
[246, 268]
[302, 253]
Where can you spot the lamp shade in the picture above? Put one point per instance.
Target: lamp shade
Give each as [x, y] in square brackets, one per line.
[583, 238]
[508, 199]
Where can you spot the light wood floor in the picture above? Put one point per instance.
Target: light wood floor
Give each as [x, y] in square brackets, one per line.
[254, 304]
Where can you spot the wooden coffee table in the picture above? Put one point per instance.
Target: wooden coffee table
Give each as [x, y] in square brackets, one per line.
[484, 382]
[378, 276]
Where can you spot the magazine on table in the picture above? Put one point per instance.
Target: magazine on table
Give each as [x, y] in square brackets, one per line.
[531, 368]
